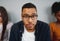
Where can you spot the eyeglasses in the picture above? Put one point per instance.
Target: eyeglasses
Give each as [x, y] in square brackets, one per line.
[32, 17]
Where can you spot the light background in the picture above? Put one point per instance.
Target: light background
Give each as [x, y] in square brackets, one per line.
[13, 8]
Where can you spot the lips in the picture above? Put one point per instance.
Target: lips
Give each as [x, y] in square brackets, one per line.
[29, 25]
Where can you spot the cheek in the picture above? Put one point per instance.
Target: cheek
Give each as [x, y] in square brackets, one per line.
[57, 17]
[34, 21]
[25, 21]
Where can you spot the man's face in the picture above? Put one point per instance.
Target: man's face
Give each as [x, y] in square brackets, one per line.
[29, 17]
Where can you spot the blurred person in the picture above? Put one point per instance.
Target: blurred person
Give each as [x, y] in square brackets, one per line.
[5, 25]
[55, 26]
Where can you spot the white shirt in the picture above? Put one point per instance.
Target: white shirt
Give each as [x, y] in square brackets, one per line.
[28, 36]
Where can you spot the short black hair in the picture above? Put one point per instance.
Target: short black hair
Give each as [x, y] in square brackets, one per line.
[28, 5]
[55, 7]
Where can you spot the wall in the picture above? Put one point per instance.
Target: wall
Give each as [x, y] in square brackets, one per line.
[14, 9]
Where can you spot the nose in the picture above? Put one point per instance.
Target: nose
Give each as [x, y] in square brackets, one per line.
[30, 19]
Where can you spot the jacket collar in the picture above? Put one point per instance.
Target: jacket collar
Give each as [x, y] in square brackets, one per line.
[22, 27]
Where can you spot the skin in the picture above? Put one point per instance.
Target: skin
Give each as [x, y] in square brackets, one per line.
[57, 24]
[57, 15]
[29, 23]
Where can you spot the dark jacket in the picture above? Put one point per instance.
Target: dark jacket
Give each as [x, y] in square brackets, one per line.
[42, 31]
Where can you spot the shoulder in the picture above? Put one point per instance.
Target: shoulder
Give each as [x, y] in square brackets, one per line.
[52, 23]
[43, 27]
[17, 25]
[42, 23]
[9, 25]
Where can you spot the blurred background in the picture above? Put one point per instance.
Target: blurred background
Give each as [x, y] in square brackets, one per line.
[13, 8]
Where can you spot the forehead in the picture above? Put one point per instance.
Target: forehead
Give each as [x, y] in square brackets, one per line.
[29, 11]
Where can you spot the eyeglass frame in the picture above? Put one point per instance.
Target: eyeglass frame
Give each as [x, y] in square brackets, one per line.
[32, 17]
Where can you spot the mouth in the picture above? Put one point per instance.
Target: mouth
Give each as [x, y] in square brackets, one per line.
[29, 25]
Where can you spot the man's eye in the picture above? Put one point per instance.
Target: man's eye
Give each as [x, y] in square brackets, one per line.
[34, 15]
[25, 16]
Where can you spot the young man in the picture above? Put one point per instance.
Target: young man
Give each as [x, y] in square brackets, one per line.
[30, 29]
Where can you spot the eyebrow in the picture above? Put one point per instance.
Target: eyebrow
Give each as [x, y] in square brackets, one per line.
[25, 15]
[29, 15]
